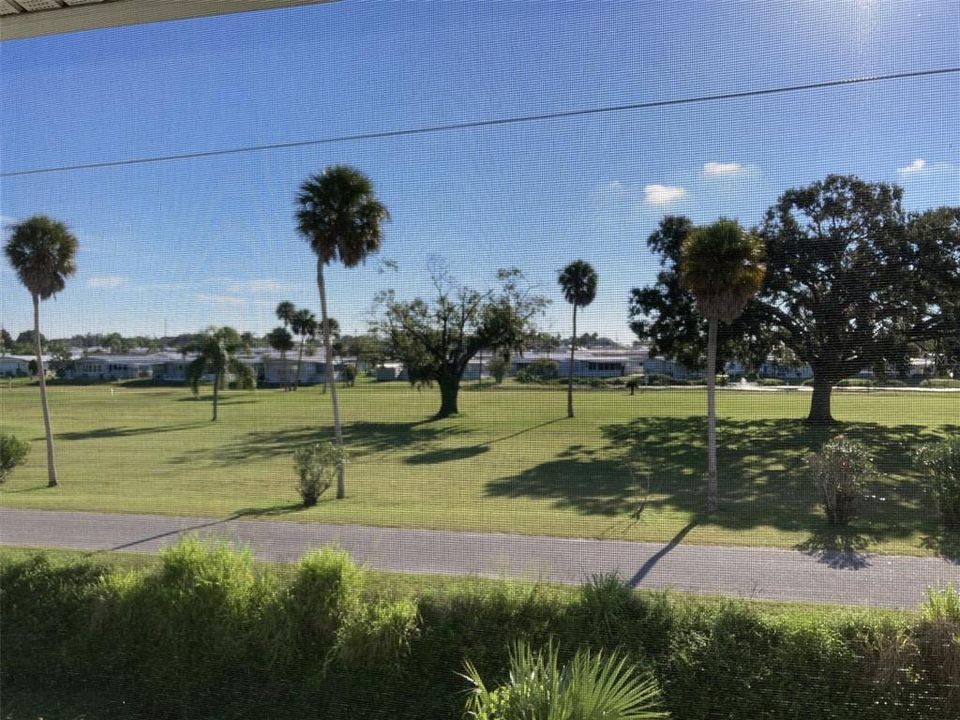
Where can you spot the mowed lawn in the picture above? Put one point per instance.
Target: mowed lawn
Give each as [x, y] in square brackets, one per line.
[627, 467]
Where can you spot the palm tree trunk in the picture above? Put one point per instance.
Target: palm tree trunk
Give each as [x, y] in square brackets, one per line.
[573, 347]
[216, 395]
[712, 490]
[41, 372]
[296, 380]
[328, 365]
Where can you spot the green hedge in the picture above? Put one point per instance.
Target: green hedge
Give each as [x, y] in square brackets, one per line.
[205, 633]
[940, 383]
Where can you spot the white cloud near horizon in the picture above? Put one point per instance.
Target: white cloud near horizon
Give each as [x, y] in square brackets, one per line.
[914, 167]
[656, 194]
[721, 169]
[258, 285]
[105, 282]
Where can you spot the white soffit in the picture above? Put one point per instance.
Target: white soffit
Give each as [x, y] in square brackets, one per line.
[30, 18]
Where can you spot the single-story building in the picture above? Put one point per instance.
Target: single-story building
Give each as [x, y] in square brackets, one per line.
[119, 367]
[16, 365]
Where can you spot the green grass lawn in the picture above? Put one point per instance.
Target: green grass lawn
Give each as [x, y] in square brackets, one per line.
[628, 467]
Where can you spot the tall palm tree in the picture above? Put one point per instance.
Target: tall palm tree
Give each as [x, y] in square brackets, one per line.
[216, 355]
[304, 325]
[285, 312]
[723, 267]
[281, 340]
[579, 283]
[342, 219]
[41, 251]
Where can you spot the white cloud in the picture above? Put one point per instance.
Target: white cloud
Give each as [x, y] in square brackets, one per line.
[719, 169]
[916, 166]
[227, 300]
[662, 194]
[102, 282]
[260, 285]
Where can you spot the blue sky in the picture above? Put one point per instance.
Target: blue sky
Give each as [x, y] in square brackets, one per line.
[188, 243]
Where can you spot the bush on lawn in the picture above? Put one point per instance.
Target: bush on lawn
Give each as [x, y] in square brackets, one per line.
[855, 383]
[541, 370]
[348, 373]
[204, 633]
[941, 463]
[840, 470]
[317, 467]
[13, 453]
[769, 382]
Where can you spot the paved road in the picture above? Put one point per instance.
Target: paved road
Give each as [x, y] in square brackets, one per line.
[878, 581]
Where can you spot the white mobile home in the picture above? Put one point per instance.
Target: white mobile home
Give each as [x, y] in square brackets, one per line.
[15, 365]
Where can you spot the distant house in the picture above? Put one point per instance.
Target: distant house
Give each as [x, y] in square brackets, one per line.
[586, 364]
[119, 367]
[16, 365]
[270, 369]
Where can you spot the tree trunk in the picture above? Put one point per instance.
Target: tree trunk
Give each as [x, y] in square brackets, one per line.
[449, 390]
[331, 381]
[713, 499]
[820, 402]
[573, 347]
[296, 380]
[216, 395]
[41, 374]
[480, 373]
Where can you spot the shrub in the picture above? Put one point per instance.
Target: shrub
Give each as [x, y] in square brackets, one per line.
[856, 383]
[327, 587]
[941, 383]
[13, 453]
[604, 606]
[590, 685]
[840, 470]
[377, 634]
[185, 626]
[938, 637]
[941, 462]
[540, 370]
[498, 367]
[661, 379]
[349, 374]
[769, 382]
[317, 467]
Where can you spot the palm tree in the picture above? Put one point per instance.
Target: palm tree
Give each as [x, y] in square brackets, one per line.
[216, 355]
[41, 251]
[340, 216]
[281, 340]
[285, 312]
[579, 283]
[304, 324]
[723, 267]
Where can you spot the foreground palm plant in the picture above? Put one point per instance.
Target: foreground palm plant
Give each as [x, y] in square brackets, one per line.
[723, 267]
[591, 686]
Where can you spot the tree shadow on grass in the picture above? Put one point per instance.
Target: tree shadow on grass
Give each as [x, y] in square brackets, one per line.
[761, 468]
[433, 457]
[366, 441]
[117, 432]
[282, 510]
